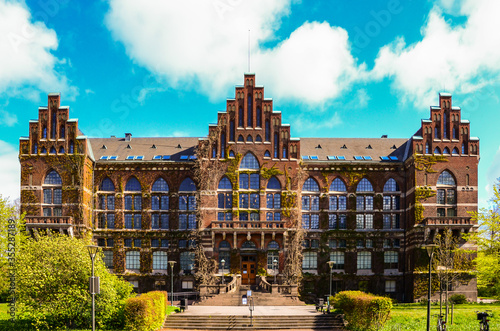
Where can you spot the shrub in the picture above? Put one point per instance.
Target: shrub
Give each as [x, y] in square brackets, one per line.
[363, 311]
[146, 312]
[458, 299]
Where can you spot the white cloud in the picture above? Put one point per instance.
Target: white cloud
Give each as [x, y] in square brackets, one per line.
[27, 65]
[11, 171]
[460, 59]
[205, 43]
[7, 119]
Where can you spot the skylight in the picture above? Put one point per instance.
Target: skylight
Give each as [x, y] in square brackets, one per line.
[184, 157]
[139, 157]
[367, 157]
[305, 157]
[393, 158]
[113, 157]
[166, 157]
[331, 157]
[157, 157]
[341, 157]
[104, 157]
[357, 157]
[384, 158]
[130, 157]
[314, 157]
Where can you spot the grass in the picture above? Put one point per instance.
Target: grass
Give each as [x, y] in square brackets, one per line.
[405, 317]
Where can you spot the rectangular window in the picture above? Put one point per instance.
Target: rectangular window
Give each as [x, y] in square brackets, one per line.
[164, 243]
[314, 221]
[243, 200]
[360, 222]
[306, 203]
[137, 221]
[164, 221]
[137, 202]
[332, 243]
[369, 221]
[128, 202]
[386, 223]
[342, 202]
[449, 212]
[364, 260]
[360, 202]
[187, 261]
[390, 260]
[254, 201]
[191, 221]
[111, 202]
[108, 259]
[310, 261]
[155, 221]
[56, 212]
[450, 197]
[57, 196]
[338, 258]
[183, 221]
[254, 181]
[315, 203]
[160, 260]
[441, 196]
[47, 196]
[387, 202]
[137, 243]
[277, 201]
[368, 202]
[128, 221]
[306, 221]
[333, 203]
[127, 242]
[111, 220]
[155, 202]
[390, 286]
[441, 212]
[155, 242]
[332, 221]
[342, 222]
[191, 202]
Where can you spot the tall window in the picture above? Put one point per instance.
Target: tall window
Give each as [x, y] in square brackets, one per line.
[309, 261]
[187, 261]
[276, 145]
[337, 205]
[133, 260]
[364, 260]
[106, 198]
[249, 197]
[231, 130]
[390, 260]
[108, 259]
[268, 131]
[259, 117]
[310, 204]
[391, 204]
[446, 195]
[273, 200]
[160, 203]
[225, 200]
[364, 202]
[240, 117]
[224, 254]
[249, 112]
[133, 204]
[52, 194]
[160, 260]
[338, 258]
[187, 205]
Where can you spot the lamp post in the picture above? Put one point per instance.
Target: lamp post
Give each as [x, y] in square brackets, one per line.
[172, 263]
[223, 262]
[275, 269]
[330, 264]
[430, 251]
[94, 281]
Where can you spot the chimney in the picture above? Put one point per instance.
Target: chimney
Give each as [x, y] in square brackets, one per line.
[128, 137]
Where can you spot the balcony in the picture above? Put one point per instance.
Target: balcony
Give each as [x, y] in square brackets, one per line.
[61, 224]
[248, 225]
[453, 221]
[39, 220]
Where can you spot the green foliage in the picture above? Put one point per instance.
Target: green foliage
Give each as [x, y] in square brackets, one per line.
[458, 299]
[146, 312]
[425, 162]
[422, 193]
[270, 172]
[363, 311]
[52, 285]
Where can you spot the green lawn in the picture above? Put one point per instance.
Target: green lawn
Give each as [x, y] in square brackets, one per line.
[414, 317]
[5, 319]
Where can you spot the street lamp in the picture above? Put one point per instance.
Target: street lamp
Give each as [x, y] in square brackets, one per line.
[275, 267]
[430, 251]
[223, 262]
[172, 263]
[94, 281]
[330, 264]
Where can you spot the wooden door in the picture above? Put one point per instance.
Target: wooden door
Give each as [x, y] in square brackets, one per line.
[249, 271]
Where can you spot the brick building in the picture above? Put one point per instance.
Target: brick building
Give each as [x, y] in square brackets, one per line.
[249, 193]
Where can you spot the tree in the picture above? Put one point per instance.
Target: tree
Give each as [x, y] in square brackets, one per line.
[487, 239]
[53, 284]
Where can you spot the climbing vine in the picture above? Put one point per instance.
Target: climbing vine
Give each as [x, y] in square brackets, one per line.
[422, 193]
[425, 162]
[270, 172]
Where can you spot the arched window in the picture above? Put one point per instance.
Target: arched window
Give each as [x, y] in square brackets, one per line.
[160, 185]
[248, 245]
[250, 162]
[249, 138]
[273, 245]
[225, 184]
[337, 186]
[454, 151]
[133, 260]
[391, 186]
[187, 185]
[52, 150]
[160, 260]
[310, 185]
[364, 185]
[464, 150]
[267, 154]
[52, 194]
[437, 151]
[61, 150]
[224, 245]
[71, 147]
[231, 154]
[273, 184]
[133, 185]
[258, 138]
[446, 178]
[240, 138]
[446, 150]
[44, 150]
[107, 185]
[446, 195]
[160, 201]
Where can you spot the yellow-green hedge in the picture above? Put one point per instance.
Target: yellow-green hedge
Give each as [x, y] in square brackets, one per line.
[363, 311]
[146, 312]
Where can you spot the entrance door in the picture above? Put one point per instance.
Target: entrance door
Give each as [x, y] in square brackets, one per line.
[248, 269]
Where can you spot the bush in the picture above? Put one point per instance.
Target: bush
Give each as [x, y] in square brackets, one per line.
[363, 311]
[146, 312]
[458, 299]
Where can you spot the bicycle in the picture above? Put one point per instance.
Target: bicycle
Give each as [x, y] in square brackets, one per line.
[441, 325]
[484, 322]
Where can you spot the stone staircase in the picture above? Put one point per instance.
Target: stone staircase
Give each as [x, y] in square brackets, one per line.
[239, 322]
[259, 299]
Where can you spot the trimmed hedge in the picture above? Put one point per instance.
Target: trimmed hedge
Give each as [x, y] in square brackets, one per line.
[363, 311]
[146, 312]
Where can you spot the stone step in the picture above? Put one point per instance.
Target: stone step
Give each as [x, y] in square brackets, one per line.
[238, 322]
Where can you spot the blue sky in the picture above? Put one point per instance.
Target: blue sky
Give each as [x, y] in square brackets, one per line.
[358, 68]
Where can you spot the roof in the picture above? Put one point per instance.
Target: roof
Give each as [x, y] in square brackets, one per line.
[172, 146]
[372, 147]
